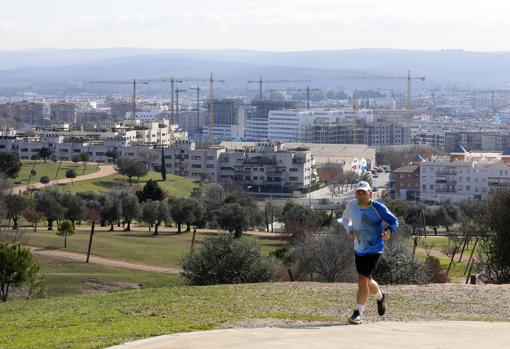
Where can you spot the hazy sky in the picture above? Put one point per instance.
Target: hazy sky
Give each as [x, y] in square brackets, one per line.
[277, 25]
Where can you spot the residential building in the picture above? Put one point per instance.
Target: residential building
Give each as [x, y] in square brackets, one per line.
[463, 175]
[63, 112]
[405, 181]
[257, 119]
[267, 167]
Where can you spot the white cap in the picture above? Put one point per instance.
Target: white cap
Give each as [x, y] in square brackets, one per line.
[362, 185]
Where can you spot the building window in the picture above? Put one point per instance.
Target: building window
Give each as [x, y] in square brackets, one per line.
[210, 166]
[196, 166]
[424, 187]
[432, 187]
[293, 178]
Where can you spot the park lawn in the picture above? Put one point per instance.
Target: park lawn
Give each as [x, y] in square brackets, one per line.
[66, 277]
[456, 273]
[165, 250]
[104, 319]
[439, 243]
[50, 169]
[174, 185]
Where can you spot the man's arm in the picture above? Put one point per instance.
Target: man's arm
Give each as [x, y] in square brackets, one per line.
[387, 216]
[347, 221]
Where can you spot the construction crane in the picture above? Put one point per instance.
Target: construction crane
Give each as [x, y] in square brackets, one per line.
[211, 107]
[134, 82]
[260, 81]
[408, 78]
[198, 102]
[177, 91]
[308, 89]
[173, 81]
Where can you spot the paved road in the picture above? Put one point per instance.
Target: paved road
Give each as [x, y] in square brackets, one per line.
[380, 335]
[104, 170]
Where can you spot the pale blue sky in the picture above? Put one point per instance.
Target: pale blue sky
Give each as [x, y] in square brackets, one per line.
[278, 25]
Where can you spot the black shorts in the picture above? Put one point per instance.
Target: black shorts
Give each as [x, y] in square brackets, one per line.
[365, 265]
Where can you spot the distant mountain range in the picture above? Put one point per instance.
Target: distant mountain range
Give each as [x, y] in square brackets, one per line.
[324, 69]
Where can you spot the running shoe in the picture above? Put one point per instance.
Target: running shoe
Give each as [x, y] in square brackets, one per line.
[381, 305]
[355, 318]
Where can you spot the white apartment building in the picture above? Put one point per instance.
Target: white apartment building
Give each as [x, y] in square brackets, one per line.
[185, 159]
[223, 132]
[131, 131]
[463, 175]
[267, 167]
[256, 129]
[288, 125]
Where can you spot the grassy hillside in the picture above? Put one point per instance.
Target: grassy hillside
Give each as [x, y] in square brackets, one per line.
[100, 320]
[174, 185]
[138, 247]
[50, 169]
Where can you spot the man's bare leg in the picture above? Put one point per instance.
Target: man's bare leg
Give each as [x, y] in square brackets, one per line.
[373, 286]
[363, 289]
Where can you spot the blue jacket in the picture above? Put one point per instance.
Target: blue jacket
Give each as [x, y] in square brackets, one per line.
[368, 223]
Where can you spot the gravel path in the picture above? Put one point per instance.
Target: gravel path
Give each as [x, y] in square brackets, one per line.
[104, 170]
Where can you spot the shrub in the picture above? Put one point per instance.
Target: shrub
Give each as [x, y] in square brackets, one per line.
[325, 257]
[225, 260]
[396, 266]
[434, 270]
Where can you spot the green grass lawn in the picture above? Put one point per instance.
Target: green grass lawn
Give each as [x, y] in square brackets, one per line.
[174, 185]
[438, 244]
[165, 250]
[50, 169]
[65, 277]
[105, 319]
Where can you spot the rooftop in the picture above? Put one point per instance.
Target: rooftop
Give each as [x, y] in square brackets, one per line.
[407, 169]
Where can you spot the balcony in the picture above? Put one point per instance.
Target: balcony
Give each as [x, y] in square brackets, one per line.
[449, 172]
[446, 181]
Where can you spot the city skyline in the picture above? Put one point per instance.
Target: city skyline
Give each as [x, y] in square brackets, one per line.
[273, 26]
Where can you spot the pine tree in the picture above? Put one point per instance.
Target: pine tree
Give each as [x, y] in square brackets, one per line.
[163, 165]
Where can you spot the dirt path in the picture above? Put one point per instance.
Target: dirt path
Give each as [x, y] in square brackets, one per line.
[102, 261]
[104, 170]
[465, 256]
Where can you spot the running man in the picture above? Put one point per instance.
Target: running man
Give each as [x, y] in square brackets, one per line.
[364, 220]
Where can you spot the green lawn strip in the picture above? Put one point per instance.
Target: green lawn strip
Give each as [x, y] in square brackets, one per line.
[100, 320]
[456, 270]
[164, 250]
[50, 169]
[66, 277]
[174, 185]
[439, 243]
